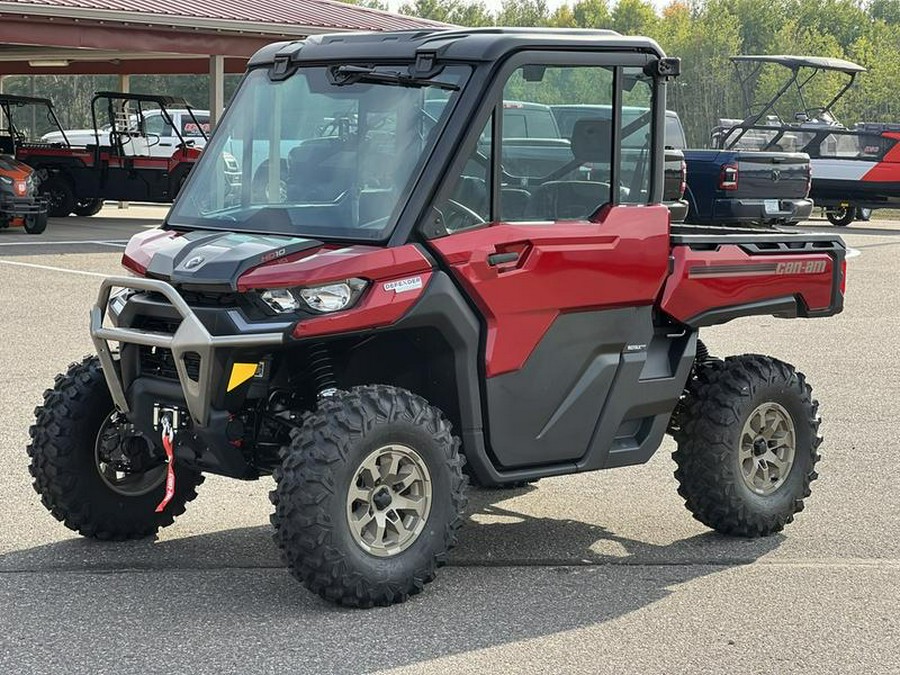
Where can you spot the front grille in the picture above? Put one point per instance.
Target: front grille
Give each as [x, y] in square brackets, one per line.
[159, 362]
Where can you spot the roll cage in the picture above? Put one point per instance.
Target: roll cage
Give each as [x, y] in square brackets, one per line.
[10, 135]
[126, 115]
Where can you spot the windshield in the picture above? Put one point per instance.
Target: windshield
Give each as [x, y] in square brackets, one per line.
[316, 154]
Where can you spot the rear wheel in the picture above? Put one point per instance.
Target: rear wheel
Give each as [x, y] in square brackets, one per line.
[747, 445]
[93, 475]
[61, 195]
[841, 216]
[88, 207]
[369, 496]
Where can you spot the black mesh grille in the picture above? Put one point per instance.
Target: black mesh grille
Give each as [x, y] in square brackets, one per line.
[158, 362]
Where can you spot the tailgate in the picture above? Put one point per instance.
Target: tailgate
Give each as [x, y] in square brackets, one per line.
[716, 278]
[772, 175]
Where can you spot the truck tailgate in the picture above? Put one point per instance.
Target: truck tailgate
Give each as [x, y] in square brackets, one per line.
[719, 277]
[772, 175]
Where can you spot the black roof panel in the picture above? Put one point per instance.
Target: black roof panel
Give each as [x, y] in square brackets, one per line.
[462, 44]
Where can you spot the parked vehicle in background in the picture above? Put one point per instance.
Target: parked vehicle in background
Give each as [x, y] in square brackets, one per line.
[192, 128]
[20, 203]
[742, 187]
[386, 321]
[78, 178]
[853, 170]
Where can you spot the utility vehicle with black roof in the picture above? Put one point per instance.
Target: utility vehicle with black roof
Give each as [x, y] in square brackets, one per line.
[397, 313]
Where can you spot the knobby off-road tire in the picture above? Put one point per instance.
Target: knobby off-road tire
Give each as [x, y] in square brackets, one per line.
[61, 193]
[66, 473]
[326, 459]
[724, 403]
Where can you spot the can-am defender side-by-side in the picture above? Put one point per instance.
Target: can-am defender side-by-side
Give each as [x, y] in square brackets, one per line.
[854, 169]
[391, 308]
[120, 164]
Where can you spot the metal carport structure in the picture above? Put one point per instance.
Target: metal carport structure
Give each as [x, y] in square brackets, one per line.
[135, 37]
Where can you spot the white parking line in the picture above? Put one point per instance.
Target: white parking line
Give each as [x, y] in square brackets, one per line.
[53, 269]
[853, 252]
[110, 242]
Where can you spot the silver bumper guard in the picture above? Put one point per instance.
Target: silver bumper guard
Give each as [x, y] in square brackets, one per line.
[190, 337]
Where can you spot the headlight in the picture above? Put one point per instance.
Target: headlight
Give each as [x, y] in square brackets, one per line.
[324, 299]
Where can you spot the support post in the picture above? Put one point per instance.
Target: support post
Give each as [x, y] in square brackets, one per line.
[125, 87]
[1, 83]
[216, 88]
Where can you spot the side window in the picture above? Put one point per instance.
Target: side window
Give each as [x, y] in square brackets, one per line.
[467, 204]
[548, 177]
[637, 142]
[545, 174]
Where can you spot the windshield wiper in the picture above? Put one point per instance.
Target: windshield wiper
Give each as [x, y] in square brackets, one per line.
[350, 74]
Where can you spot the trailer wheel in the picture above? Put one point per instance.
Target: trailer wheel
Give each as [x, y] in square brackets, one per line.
[369, 496]
[88, 207]
[842, 216]
[747, 445]
[61, 195]
[76, 455]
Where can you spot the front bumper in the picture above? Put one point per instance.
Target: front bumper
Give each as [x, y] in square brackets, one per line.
[191, 340]
[22, 207]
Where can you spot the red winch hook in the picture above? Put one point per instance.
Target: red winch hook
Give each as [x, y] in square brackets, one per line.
[168, 441]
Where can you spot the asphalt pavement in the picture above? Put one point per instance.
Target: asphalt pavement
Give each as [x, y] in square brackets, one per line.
[595, 573]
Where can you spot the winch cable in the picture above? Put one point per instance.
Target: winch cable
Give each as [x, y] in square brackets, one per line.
[168, 441]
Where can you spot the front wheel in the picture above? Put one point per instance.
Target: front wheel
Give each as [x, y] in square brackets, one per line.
[91, 473]
[747, 445]
[36, 224]
[842, 216]
[369, 496]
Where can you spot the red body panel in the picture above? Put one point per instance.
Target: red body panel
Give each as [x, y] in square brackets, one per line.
[888, 169]
[618, 260]
[728, 276]
[337, 264]
[380, 306]
[180, 156]
[142, 247]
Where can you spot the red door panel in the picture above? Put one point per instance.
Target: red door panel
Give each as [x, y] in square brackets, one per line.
[621, 259]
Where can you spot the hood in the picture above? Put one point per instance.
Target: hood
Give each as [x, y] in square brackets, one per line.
[12, 168]
[208, 259]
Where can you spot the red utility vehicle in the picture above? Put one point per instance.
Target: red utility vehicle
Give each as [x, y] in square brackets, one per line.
[397, 309]
[120, 164]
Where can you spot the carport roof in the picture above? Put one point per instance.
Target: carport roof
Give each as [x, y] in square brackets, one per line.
[290, 16]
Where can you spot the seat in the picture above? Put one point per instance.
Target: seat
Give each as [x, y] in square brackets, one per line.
[567, 200]
[557, 199]
[319, 170]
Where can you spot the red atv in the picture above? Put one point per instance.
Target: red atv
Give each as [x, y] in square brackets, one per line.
[395, 309]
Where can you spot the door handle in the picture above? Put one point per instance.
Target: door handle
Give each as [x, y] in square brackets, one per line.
[501, 258]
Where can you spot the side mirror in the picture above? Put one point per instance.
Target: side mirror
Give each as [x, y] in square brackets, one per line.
[667, 68]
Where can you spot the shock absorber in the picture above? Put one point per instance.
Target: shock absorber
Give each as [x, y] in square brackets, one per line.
[322, 369]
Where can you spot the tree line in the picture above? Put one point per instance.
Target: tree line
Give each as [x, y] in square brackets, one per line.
[704, 33]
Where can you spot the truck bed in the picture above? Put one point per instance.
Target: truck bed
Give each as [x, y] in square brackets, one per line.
[723, 273]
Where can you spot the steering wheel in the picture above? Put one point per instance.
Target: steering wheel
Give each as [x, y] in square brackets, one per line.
[458, 216]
